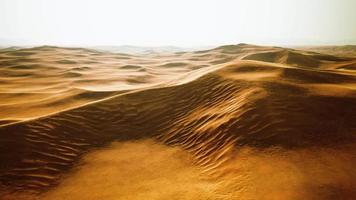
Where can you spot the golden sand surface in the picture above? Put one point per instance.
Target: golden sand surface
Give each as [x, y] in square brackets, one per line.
[234, 122]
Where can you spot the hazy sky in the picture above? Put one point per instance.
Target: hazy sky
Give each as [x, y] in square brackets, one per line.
[177, 22]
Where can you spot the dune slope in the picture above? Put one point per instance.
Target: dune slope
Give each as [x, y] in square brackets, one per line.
[234, 114]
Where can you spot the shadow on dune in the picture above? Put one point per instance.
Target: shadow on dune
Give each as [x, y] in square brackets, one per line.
[272, 103]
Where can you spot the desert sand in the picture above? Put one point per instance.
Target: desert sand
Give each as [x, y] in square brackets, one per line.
[345, 51]
[233, 122]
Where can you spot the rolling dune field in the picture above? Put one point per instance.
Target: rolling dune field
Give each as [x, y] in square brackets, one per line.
[234, 122]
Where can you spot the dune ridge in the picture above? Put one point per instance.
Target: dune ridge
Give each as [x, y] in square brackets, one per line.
[227, 108]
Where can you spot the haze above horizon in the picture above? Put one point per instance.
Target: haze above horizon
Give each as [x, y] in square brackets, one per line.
[179, 23]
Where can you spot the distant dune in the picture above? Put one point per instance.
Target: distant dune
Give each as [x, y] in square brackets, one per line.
[139, 50]
[233, 122]
[346, 51]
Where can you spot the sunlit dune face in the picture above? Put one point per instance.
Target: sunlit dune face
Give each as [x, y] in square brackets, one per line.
[135, 170]
[145, 169]
[234, 122]
[47, 80]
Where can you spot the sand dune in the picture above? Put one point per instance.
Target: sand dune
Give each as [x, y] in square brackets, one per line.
[46, 80]
[345, 51]
[234, 122]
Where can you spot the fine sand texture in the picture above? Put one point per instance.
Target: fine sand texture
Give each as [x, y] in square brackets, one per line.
[234, 122]
[346, 50]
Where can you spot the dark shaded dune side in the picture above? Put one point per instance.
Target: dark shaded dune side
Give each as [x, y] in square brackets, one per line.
[303, 76]
[234, 49]
[327, 57]
[285, 57]
[247, 104]
[345, 51]
[173, 64]
[37, 152]
[131, 67]
[297, 58]
[261, 112]
[348, 66]
[265, 56]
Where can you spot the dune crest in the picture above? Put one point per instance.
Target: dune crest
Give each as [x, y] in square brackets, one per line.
[219, 119]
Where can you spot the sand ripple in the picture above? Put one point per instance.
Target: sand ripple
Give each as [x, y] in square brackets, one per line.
[238, 112]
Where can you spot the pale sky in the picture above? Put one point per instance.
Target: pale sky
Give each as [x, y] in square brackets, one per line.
[184, 23]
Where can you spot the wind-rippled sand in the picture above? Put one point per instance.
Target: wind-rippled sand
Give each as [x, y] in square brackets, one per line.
[234, 122]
